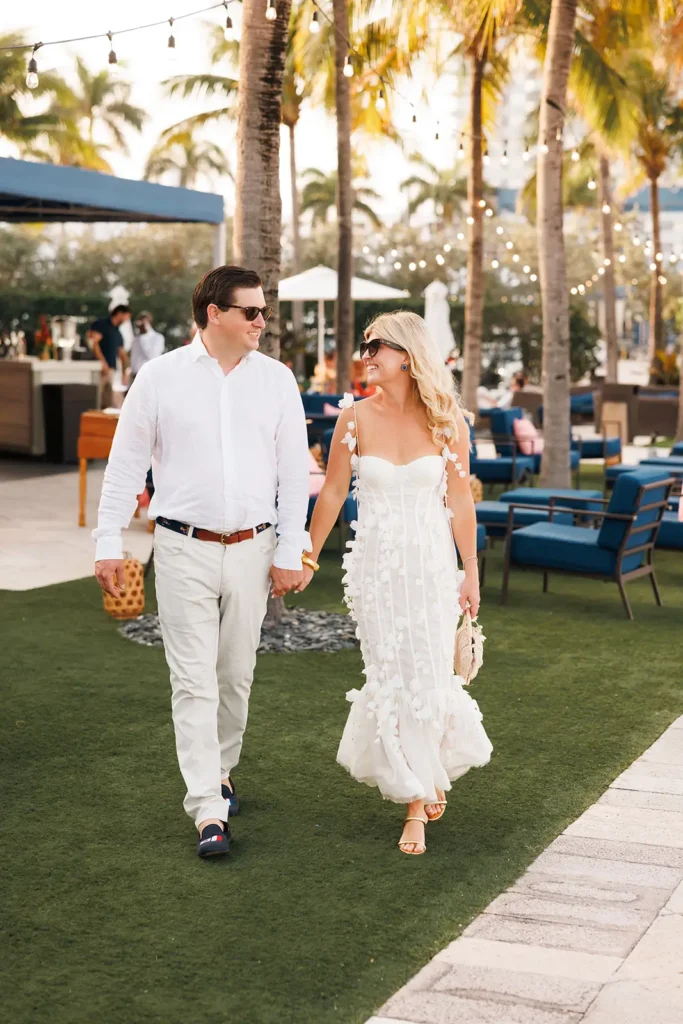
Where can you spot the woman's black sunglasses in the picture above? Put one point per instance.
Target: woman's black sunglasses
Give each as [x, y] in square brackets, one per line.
[251, 312]
[372, 347]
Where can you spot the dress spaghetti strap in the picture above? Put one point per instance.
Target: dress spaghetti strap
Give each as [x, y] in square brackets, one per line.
[355, 420]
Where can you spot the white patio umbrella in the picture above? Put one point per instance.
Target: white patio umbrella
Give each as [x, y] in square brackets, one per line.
[319, 284]
[438, 317]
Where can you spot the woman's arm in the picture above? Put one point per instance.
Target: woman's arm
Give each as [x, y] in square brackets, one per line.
[335, 490]
[464, 519]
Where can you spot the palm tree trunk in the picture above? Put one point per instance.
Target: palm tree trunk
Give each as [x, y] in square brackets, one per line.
[297, 307]
[474, 295]
[656, 339]
[344, 310]
[552, 259]
[679, 426]
[258, 205]
[609, 285]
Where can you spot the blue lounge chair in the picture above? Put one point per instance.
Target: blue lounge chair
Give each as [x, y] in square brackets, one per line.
[503, 434]
[567, 497]
[493, 516]
[511, 468]
[620, 550]
[678, 449]
[670, 534]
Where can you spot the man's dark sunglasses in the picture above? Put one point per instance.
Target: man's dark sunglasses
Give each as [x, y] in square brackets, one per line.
[372, 347]
[251, 312]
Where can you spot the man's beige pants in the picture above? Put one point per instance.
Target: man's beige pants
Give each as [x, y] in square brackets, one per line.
[212, 601]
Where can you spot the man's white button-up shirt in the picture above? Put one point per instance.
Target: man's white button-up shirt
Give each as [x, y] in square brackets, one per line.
[228, 451]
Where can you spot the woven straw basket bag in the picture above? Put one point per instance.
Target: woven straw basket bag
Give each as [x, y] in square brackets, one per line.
[469, 648]
[132, 603]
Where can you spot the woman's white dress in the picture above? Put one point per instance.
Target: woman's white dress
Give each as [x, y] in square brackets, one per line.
[412, 728]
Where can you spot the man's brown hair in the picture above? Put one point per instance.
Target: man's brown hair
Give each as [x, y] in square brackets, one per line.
[218, 287]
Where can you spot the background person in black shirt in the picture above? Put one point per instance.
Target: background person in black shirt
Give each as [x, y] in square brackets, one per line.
[107, 343]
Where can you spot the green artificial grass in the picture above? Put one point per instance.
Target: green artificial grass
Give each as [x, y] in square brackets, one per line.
[108, 915]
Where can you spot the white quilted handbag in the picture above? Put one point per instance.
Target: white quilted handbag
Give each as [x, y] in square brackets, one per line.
[469, 648]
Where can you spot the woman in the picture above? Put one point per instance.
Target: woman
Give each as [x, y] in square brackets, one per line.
[412, 728]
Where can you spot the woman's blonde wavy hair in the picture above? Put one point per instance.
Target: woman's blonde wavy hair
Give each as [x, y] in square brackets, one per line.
[434, 383]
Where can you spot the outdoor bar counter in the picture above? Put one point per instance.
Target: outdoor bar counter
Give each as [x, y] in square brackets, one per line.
[41, 402]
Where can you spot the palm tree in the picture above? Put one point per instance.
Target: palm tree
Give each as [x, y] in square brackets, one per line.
[100, 104]
[659, 137]
[556, 378]
[320, 192]
[186, 158]
[258, 208]
[447, 190]
[343, 327]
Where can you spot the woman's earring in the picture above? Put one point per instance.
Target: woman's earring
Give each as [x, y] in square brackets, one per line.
[405, 366]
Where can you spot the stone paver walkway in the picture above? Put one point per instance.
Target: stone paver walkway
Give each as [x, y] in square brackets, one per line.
[591, 933]
[40, 540]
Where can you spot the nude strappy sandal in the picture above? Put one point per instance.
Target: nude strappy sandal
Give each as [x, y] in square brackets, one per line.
[412, 842]
[436, 803]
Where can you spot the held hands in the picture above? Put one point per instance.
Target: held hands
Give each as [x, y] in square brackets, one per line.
[469, 590]
[284, 580]
[110, 576]
[308, 576]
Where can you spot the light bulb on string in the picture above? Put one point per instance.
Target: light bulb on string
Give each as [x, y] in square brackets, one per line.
[500, 230]
[32, 81]
[460, 236]
[489, 212]
[608, 262]
[601, 271]
[461, 150]
[482, 204]
[515, 258]
[673, 257]
[527, 155]
[659, 257]
[366, 249]
[533, 277]
[422, 264]
[314, 27]
[635, 240]
[447, 247]
[271, 11]
[545, 148]
[622, 258]
[495, 264]
[380, 103]
[486, 158]
[397, 265]
[509, 245]
[171, 42]
[606, 208]
[380, 259]
[439, 259]
[573, 290]
[470, 220]
[112, 59]
[575, 156]
[504, 159]
[591, 185]
[653, 266]
[412, 266]
[228, 31]
[394, 253]
[414, 118]
[618, 226]
[348, 67]
[526, 268]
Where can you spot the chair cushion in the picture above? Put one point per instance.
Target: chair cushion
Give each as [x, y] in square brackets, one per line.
[501, 426]
[528, 438]
[670, 532]
[614, 472]
[542, 496]
[678, 449]
[499, 471]
[625, 500]
[574, 462]
[553, 546]
[672, 462]
[598, 447]
[493, 516]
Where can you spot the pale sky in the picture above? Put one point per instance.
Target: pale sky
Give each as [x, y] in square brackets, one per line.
[147, 64]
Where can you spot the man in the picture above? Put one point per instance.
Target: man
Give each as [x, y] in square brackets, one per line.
[224, 427]
[107, 342]
[147, 344]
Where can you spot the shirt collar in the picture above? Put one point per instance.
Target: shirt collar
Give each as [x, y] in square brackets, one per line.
[198, 351]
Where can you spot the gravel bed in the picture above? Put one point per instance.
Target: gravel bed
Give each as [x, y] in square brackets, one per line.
[299, 630]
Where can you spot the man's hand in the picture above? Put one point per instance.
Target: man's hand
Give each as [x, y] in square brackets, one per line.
[284, 580]
[110, 576]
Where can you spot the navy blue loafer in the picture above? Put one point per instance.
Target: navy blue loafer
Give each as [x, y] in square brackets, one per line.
[230, 794]
[214, 841]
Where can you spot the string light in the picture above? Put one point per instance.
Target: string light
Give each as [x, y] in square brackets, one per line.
[394, 253]
[348, 72]
[486, 158]
[659, 257]
[622, 258]
[314, 27]
[412, 266]
[653, 266]
[380, 259]
[32, 81]
[661, 279]
[414, 118]
[509, 245]
[601, 271]
[592, 186]
[495, 264]
[112, 56]
[575, 156]
[470, 220]
[422, 264]
[171, 40]
[504, 159]
[380, 103]
[608, 263]
[534, 277]
[500, 230]
[526, 268]
[545, 148]
[618, 226]
[228, 31]
[461, 150]
[489, 212]
[447, 247]
[515, 258]
[460, 236]
[481, 204]
[366, 249]
[581, 289]
[574, 291]
[636, 241]
[271, 11]
[606, 208]
[397, 265]
[527, 155]
[439, 259]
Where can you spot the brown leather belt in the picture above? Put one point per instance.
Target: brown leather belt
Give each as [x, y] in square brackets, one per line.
[217, 538]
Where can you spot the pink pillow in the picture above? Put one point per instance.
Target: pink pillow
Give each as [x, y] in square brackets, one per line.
[527, 435]
[316, 477]
[330, 410]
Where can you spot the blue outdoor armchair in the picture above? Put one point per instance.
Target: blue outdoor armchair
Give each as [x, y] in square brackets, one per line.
[620, 550]
[503, 435]
[509, 468]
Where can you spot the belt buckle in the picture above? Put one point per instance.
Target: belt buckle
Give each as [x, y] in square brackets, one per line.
[223, 536]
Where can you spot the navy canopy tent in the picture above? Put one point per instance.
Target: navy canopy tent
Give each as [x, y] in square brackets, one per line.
[36, 192]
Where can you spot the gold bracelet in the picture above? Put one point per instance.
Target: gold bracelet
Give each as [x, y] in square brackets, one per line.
[305, 560]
